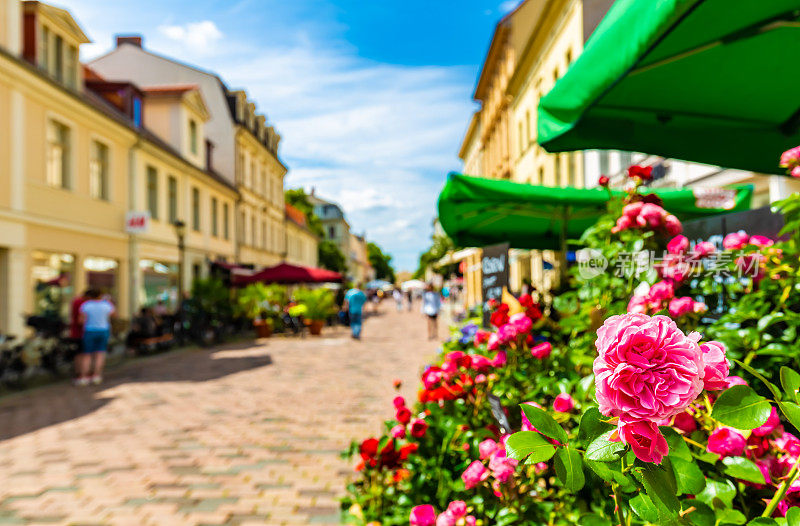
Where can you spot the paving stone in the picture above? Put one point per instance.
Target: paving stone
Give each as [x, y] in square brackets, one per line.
[247, 433]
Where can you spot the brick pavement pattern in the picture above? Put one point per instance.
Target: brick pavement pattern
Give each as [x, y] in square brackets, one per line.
[242, 434]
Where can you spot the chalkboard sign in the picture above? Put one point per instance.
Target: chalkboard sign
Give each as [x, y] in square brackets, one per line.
[494, 272]
[499, 414]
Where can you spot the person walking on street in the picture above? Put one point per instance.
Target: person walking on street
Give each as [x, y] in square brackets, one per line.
[398, 299]
[431, 305]
[76, 325]
[96, 316]
[354, 302]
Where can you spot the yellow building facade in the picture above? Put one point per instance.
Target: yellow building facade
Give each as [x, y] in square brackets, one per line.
[77, 157]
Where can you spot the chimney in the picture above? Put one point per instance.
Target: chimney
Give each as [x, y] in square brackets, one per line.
[313, 190]
[135, 40]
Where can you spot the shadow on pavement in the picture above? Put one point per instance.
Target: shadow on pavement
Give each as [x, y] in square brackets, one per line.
[25, 412]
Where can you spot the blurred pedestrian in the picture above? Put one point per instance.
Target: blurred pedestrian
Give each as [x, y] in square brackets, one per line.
[410, 298]
[76, 325]
[96, 316]
[354, 302]
[398, 299]
[431, 305]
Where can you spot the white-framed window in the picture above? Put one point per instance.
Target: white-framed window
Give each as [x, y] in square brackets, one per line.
[59, 154]
[226, 231]
[193, 139]
[152, 191]
[196, 209]
[99, 171]
[214, 217]
[172, 199]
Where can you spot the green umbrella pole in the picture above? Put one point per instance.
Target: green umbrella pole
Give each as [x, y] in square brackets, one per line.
[562, 266]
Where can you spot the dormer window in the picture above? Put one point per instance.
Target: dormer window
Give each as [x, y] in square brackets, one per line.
[193, 141]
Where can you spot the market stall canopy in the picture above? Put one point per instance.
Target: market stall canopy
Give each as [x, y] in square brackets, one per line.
[412, 284]
[710, 81]
[476, 212]
[290, 274]
[378, 284]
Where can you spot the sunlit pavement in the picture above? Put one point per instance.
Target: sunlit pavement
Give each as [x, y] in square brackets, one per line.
[244, 434]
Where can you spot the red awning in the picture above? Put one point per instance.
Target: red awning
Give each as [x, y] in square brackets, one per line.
[287, 274]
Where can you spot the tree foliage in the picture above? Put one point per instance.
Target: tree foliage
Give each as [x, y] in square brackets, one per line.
[297, 198]
[331, 257]
[382, 263]
[440, 246]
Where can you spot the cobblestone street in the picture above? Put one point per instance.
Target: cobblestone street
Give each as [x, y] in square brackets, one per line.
[242, 434]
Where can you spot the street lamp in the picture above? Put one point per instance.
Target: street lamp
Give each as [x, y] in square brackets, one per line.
[180, 230]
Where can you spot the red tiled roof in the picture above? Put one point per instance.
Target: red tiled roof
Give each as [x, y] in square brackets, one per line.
[295, 215]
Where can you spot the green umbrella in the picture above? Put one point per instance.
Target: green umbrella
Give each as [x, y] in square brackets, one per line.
[711, 81]
[477, 212]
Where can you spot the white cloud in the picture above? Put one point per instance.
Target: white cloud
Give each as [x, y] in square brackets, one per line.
[508, 6]
[198, 36]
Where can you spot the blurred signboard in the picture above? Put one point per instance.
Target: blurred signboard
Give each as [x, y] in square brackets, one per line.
[494, 272]
[137, 222]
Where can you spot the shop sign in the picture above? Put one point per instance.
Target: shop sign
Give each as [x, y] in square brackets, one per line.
[137, 222]
[494, 275]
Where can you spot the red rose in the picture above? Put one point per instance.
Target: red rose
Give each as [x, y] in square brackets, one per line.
[403, 415]
[407, 449]
[642, 172]
[418, 428]
[526, 300]
[368, 448]
[603, 180]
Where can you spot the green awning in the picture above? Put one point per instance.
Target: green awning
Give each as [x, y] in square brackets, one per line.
[476, 212]
[712, 81]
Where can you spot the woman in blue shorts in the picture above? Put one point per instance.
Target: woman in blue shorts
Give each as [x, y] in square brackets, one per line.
[96, 317]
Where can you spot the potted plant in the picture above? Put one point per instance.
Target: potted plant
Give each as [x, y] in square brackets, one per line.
[256, 300]
[319, 303]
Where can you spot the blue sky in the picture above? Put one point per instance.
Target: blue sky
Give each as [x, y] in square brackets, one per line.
[372, 97]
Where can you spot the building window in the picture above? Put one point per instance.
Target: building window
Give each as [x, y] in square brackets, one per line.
[72, 67]
[264, 240]
[331, 232]
[571, 175]
[264, 187]
[240, 169]
[44, 50]
[196, 209]
[558, 169]
[569, 57]
[214, 225]
[251, 179]
[172, 199]
[193, 136]
[521, 145]
[226, 232]
[242, 224]
[59, 59]
[541, 175]
[98, 171]
[58, 155]
[603, 154]
[253, 231]
[152, 192]
[625, 160]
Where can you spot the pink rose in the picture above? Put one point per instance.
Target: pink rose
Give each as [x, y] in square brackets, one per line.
[446, 519]
[399, 431]
[458, 508]
[474, 474]
[790, 158]
[521, 322]
[770, 425]
[423, 515]
[646, 441]
[493, 343]
[507, 333]
[761, 241]
[735, 240]
[480, 363]
[716, 366]
[704, 249]
[502, 467]
[681, 306]
[699, 307]
[726, 442]
[672, 225]
[685, 423]
[470, 520]
[499, 359]
[788, 443]
[651, 215]
[678, 245]
[638, 304]
[403, 415]
[623, 223]
[632, 210]
[431, 377]
[563, 403]
[480, 378]
[795, 171]
[486, 448]
[660, 293]
[542, 350]
[646, 369]
[399, 402]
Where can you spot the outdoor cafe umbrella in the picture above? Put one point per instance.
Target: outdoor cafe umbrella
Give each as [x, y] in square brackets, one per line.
[711, 81]
[477, 212]
[290, 274]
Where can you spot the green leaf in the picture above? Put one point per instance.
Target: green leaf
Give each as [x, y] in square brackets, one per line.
[610, 475]
[661, 488]
[763, 521]
[529, 444]
[793, 517]
[644, 507]
[603, 450]
[792, 412]
[729, 516]
[688, 475]
[677, 445]
[790, 381]
[772, 389]
[593, 520]
[700, 514]
[722, 490]
[743, 469]
[544, 423]
[569, 468]
[592, 425]
[741, 407]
